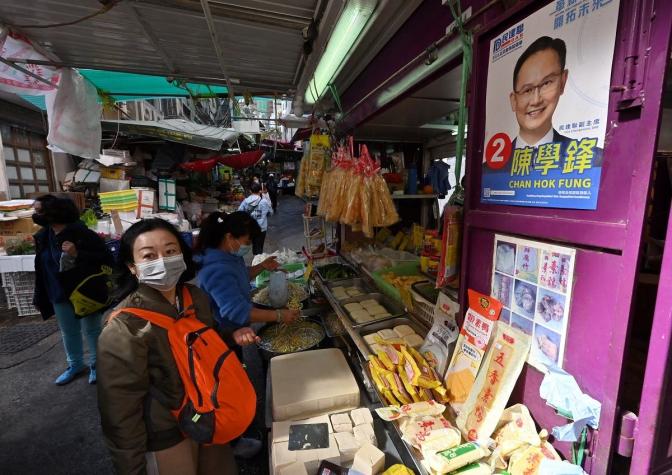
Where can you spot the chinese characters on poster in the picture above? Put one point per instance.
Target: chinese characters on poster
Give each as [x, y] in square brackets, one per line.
[546, 106]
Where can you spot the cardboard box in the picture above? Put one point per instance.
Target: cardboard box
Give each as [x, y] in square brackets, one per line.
[146, 202]
[18, 226]
[113, 173]
[86, 176]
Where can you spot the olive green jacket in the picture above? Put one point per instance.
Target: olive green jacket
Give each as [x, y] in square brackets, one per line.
[138, 380]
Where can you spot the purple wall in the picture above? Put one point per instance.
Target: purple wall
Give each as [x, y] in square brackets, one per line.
[608, 239]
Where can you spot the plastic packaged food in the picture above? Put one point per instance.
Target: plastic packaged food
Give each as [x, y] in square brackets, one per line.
[448, 269]
[457, 457]
[478, 468]
[474, 336]
[430, 433]
[514, 430]
[494, 384]
[526, 461]
[398, 469]
[440, 342]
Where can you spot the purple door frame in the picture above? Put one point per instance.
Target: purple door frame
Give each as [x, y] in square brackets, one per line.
[607, 239]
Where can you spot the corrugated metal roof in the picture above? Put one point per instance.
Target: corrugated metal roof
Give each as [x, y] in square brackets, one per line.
[260, 39]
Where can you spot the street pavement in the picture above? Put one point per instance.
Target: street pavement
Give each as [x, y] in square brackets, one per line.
[55, 430]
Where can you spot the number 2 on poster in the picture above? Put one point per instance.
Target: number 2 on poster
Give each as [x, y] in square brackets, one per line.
[498, 151]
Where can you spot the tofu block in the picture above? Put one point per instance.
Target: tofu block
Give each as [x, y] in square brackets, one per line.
[370, 338]
[387, 334]
[354, 292]
[361, 415]
[368, 303]
[347, 445]
[360, 316]
[338, 289]
[375, 348]
[280, 430]
[353, 307]
[382, 315]
[414, 340]
[301, 387]
[296, 468]
[403, 330]
[369, 460]
[365, 434]
[341, 422]
[282, 457]
[378, 310]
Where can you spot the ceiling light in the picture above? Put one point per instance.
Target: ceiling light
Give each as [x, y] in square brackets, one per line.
[350, 24]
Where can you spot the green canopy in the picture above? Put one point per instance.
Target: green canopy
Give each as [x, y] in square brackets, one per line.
[130, 86]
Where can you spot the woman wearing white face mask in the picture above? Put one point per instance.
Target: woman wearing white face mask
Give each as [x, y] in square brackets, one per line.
[224, 240]
[138, 380]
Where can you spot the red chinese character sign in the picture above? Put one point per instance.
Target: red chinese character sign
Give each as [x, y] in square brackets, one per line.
[533, 281]
[546, 106]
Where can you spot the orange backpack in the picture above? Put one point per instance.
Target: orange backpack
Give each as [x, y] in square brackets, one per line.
[219, 400]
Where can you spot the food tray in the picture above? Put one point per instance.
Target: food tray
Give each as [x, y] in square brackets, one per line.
[374, 327]
[392, 307]
[332, 325]
[356, 282]
[324, 279]
[402, 270]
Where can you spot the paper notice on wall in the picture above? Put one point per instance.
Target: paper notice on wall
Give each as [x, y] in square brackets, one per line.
[167, 194]
[533, 280]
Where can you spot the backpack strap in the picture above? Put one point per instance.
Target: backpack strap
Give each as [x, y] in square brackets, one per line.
[157, 318]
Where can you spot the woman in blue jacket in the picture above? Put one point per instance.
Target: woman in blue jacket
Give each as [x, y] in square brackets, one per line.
[224, 240]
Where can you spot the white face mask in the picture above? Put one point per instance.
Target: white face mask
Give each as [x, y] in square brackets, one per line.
[161, 274]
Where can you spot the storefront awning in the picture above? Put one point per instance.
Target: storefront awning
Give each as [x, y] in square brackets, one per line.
[175, 130]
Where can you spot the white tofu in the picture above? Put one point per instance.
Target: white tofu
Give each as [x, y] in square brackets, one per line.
[360, 316]
[301, 387]
[381, 316]
[370, 338]
[361, 415]
[365, 434]
[341, 422]
[353, 307]
[369, 303]
[387, 334]
[296, 468]
[403, 330]
[354, 292]
[347, 445]
[338, 289]
[369, 460]
[414, 340]
[378, 310]
[375, 348]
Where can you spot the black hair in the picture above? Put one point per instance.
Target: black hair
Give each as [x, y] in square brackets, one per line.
[58, 210]
[255, 187]
[126, 282]
[218, 224]
[541, 44]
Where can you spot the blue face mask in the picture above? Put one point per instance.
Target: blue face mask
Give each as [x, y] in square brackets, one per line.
[242, 250]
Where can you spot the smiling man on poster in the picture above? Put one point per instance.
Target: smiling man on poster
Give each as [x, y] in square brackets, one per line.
[548, 153]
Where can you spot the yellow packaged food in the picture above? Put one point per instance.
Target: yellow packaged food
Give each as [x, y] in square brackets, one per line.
[398, 469]
[397, 388]
[503, 363]
[413, 373]
[385, 360]
[514, 430]
[410, 389]
[397, 240]
[457, 457]
[526, 461]
[474, 336]
[427, 378]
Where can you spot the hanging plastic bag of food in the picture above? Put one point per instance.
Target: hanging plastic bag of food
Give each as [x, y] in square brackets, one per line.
[451, 245]
[278, 290]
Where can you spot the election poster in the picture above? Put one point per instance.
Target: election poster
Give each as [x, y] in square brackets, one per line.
[533, 281]
[546, 106]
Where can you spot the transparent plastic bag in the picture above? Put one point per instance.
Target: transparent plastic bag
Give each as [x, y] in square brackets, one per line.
[278, 290]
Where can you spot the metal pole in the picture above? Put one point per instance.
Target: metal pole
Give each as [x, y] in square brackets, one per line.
[215, 41]
[12, 64]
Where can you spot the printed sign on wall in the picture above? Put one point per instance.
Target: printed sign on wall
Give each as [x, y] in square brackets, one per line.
[546, 106]
[533, 280]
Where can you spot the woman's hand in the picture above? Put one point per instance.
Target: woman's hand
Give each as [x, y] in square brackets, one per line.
[69, 248]
[245, 336]
[289, 316]
[270, 264]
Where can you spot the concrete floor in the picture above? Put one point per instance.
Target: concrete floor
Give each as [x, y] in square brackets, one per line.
[47, 429]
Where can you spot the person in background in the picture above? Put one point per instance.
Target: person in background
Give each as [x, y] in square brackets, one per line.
[272, 189]
[259, 208]
[139, 383]
[224, 240]
[64, 243]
